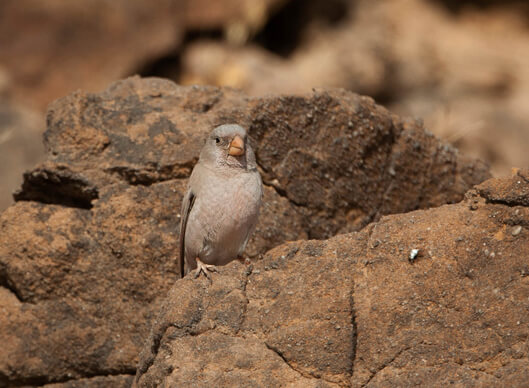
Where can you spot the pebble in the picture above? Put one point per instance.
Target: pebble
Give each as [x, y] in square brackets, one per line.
[516, 230]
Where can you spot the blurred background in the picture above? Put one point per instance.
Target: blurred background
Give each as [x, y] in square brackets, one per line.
[460, 65]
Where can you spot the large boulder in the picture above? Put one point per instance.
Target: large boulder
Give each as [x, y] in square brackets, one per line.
[88, 251]
[427, 298]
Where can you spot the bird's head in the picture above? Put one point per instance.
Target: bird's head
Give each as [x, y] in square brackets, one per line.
[227, 145]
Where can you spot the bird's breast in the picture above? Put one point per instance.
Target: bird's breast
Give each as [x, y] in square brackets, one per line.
[224, 212]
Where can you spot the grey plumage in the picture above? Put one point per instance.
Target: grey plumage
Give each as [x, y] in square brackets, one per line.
[221, 207]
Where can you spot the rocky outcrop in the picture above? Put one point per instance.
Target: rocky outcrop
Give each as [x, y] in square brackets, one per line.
[325, 152]
[359, 310]
[88, 251]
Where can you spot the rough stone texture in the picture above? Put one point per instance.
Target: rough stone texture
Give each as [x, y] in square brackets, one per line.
[356, 311]
[238, 331]
[81, 285]
[88, 251]
[352, 161]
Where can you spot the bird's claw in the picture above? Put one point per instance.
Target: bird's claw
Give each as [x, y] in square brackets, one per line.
[202, 267]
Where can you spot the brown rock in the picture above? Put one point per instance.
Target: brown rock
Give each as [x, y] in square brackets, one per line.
[512, 193]
[346, 149]
[88, 251]
[84, 282]
[355, 311]
[352, 161]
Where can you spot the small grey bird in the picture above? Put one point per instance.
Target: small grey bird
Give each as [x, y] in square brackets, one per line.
[221, 206]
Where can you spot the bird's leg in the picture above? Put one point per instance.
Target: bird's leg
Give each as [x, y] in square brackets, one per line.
[201, 267]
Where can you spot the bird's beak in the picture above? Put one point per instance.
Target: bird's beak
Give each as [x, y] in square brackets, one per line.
[236, 146]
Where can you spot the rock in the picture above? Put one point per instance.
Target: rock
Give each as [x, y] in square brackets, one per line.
[89, 250]
[349, 312]
[4, 82]
[255, 321]
[512, 193]
[353, 161]
[347, 149]
[81, 285]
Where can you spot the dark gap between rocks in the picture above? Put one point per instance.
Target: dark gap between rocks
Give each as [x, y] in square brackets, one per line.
[283, 33]
[7, 284]
[51, 187]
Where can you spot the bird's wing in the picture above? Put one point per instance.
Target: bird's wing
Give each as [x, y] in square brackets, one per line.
[187, 205]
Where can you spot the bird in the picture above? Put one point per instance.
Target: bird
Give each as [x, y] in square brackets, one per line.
[221, 207]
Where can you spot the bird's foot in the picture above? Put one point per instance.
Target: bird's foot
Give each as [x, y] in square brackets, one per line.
[202, 267]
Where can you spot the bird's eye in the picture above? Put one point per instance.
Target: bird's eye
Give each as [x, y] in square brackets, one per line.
[217, 140]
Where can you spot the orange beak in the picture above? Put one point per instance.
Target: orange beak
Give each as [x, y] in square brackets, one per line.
[236, 146]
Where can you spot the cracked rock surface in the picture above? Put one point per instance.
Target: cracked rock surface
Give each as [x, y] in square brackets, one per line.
[87, 253]
[355, 311]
